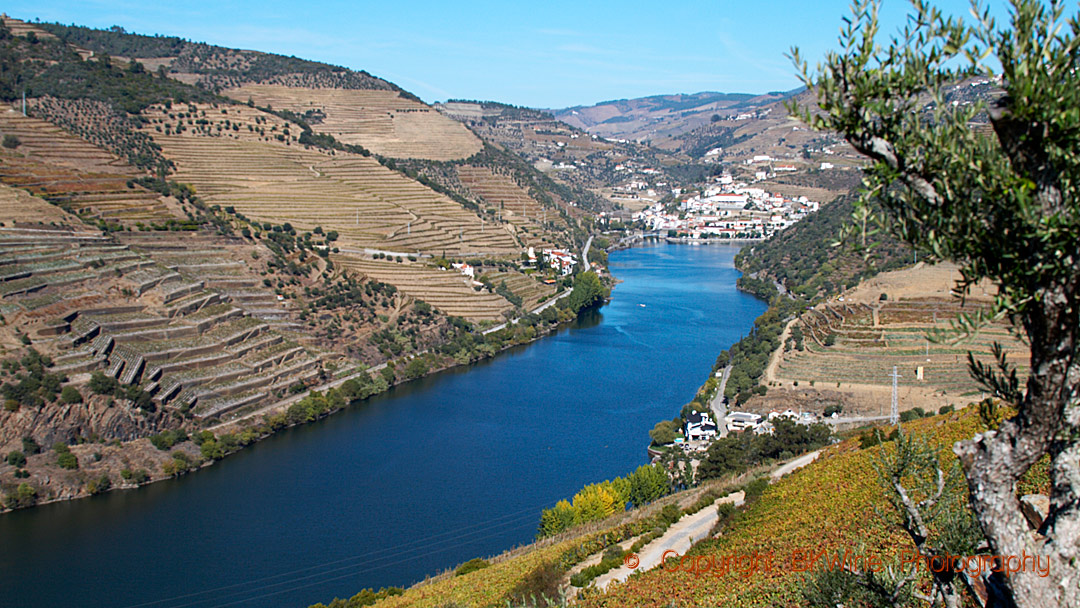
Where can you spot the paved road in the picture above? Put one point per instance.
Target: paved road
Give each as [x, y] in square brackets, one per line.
[679, 538]
[796, 464]
[536, 311]
[585, 253]
[856, 419]
[717, 406]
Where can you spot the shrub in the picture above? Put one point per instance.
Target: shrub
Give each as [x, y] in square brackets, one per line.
[167, 439]
[30, 446]
[16, 458]
[102, 384]
[471, 566]
[67, 460]
[139, 476]
[25, 495]
[11, 141]
[70, 395]
[99, 485]
[756, 488]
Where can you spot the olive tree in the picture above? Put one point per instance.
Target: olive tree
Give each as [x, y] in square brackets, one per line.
[999, 200]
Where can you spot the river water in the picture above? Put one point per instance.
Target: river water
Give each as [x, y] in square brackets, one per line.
[406, 484]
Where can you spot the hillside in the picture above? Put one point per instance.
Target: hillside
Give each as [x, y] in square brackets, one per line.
[834, 504]
[382, 121]
[181, 270]
[585, 164]
[850, 347]
[661, 118]
[211, 67]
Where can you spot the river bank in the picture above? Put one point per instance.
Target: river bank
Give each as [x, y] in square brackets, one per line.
[121, 466]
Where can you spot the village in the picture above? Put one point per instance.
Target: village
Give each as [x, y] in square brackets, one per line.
[725, 209]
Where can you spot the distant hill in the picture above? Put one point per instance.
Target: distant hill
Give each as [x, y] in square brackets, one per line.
[661, 118]
[213, 67]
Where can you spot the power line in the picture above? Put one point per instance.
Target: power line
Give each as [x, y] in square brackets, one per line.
[341, 576]
[422, 543]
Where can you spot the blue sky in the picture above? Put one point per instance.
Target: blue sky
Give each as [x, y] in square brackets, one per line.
[540, 54]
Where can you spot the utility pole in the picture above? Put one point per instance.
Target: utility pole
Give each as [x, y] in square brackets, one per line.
[894, 416]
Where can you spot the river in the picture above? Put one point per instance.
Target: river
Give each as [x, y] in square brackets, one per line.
[406, 484]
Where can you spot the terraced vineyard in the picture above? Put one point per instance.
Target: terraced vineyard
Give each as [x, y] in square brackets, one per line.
[446, 290]
[870, 340]
[381, 121]
[17, 208]
[176, 326]
[368, 205]
[531, 292]
[504, 197]
[72, 172]
[19, 27]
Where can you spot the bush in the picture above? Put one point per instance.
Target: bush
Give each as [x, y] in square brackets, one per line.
[70, 395]
[99, 485]
[11, 141]
[139, 476]
[30, 446]
[16, 458]
[755, 488]
[471, 566]
[102, 384]
[25, 495]
[67, 460]
[167, 439]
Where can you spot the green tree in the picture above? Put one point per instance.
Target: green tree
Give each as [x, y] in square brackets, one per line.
[67, 460]
[1003, 205]
[416, 368]
[30, 446]
[723, 457]
[16, 458]
[663, 433]
[647, 483]
[70, 395]
[556, 519]
[588, 291]
[25, 495]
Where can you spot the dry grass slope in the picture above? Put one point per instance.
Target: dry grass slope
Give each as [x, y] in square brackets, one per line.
[446, 290]
[70, 171]
[381, 121]
[367, 204]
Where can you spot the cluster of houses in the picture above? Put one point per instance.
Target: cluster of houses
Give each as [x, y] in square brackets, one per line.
[561, 260]
[726, 209]
[699, 429]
